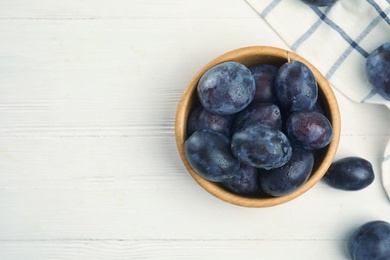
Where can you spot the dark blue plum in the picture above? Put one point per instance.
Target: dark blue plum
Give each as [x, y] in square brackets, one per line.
[319, 2]
[370, 241]
[265, 113]
[378, 70]
[350, 173]
[209, 154]
[309, 129]
[289, 177]
[201, 119]
[261, 146]
[245, 181]
[296, 87]
[226, 88]
[264, 75]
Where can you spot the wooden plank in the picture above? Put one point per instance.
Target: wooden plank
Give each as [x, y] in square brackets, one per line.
[122, 9]
[175, 249]
[136, 188]
[84, 77]
[39, 163]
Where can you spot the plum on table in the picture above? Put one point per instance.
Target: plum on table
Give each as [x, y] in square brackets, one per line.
[320, 2]
[350, 173]
[378, 70]
[370, 241]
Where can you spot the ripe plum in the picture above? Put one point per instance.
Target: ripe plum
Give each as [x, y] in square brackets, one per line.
[265, 113]
[261, 146]
[226, 88]
[296, 87]
[378, 70]
[209, 154]
[309, 129]
[319, 2]
[202, 119]
[370, 241]
[264, 75]
[283, 180]
[245, 180]
[350, 173]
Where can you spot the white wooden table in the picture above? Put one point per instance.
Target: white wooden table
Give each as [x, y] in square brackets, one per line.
[88, 160]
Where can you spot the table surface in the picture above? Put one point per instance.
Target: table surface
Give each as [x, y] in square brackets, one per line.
[89, 166]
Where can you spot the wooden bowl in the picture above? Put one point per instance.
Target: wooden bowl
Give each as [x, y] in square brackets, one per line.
[251, 56]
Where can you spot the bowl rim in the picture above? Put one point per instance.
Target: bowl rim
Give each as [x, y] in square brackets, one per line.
[246, 54]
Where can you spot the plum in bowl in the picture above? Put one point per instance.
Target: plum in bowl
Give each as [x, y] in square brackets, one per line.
[319, 160]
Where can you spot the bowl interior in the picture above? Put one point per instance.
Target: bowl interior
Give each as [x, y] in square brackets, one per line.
[251, 56]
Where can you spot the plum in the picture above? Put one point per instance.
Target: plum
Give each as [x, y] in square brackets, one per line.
[261, 146]
[296, 87]
[370, 241]
[209, 154]
[350, 173]
[226, 88]
[284, 180]
[320, 2]
[309, 129]
[378, 70]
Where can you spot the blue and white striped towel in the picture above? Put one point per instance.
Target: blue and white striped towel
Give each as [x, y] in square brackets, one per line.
[336, 40]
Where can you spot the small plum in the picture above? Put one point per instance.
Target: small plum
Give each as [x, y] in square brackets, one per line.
[284, 180]
[201, 119]
[309, 129]
[350, 173]
[261, 146]
[209, 154]
[378, 70]
[296, 87]
[370, 241]
[226, 88]
[320, 2]
[245, 181]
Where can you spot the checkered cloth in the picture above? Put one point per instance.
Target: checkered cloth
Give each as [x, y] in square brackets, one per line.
[337, 41]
